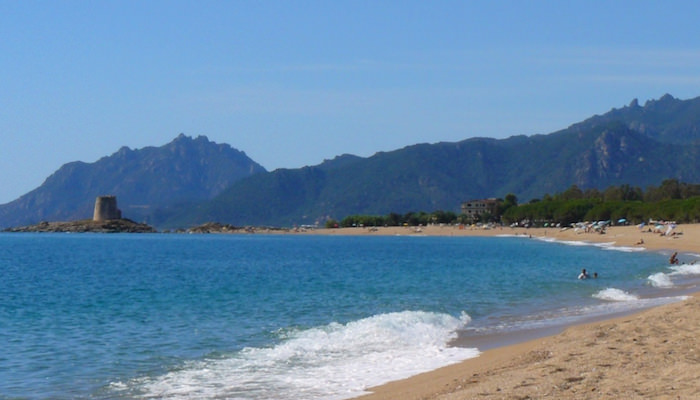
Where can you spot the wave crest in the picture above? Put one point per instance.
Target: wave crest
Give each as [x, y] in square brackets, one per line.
[686, 269]
[660, 280]
[334, 361]
[613, 294]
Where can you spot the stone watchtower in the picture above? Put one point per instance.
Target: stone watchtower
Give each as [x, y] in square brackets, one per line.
[106, 208]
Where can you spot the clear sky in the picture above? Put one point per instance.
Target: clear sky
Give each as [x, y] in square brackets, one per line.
[292, 83]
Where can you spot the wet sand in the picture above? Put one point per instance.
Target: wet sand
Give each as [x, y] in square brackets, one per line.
[649, 355]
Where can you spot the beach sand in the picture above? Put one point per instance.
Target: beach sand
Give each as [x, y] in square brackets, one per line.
[649, 355]
[684, 238]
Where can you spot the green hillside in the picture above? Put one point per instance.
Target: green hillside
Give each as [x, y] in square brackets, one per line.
[191, 181]
[440, 176]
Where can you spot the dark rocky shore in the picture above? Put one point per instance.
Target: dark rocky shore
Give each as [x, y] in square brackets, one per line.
[128, 226]
[216, 227]
[88, 225]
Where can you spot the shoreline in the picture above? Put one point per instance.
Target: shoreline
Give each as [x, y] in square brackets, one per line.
[627, 236]
[650, 353]
[644, 353]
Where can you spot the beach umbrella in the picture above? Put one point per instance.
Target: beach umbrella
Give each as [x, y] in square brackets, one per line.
[621, 221]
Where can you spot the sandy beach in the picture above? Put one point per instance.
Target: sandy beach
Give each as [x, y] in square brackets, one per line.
[649, 355]
[624, 236]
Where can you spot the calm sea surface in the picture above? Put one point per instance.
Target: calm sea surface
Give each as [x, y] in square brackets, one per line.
[87, 316]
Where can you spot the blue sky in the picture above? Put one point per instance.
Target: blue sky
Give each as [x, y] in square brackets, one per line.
[292, 83]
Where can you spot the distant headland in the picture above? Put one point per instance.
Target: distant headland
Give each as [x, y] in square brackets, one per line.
[107, 218]
[87, 225]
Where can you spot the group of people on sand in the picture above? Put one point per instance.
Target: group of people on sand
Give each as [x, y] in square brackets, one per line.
[584, 274]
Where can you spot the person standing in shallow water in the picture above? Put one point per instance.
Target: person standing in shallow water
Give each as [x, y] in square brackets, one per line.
[583, 274]
[673, 259]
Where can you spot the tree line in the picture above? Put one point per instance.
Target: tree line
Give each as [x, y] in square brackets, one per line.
[671, 201]
[394, 219]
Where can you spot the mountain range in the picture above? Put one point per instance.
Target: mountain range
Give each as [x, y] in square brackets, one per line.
[147, 182]
[191, 181]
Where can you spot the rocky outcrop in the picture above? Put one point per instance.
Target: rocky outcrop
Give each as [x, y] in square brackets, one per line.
[214, 227]
[217, 227]
[83, 226]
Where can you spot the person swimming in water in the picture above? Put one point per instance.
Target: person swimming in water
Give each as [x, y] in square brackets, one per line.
[583, 274]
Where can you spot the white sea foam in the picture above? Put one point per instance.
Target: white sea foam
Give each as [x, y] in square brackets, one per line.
[571, 315]
[660, 280]
[604, 245]
[685, 269]
[581, 243]
[613, 294]
[617, 306]
[682, 271]
[624, 249]
[336, 361]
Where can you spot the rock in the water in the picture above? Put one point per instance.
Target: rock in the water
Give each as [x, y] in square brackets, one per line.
[107, 226]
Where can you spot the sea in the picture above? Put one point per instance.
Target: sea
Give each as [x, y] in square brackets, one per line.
[317, 317]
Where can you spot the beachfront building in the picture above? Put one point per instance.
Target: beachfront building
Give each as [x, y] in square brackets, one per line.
[474, 208]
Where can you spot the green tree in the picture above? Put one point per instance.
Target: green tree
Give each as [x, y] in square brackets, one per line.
[572, 193]
[393, 219]
[592, 194]
[510, 200]
[572, 211]
[443, 217]
[669, 189]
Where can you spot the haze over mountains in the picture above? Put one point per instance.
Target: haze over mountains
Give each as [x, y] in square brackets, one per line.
[192, 181]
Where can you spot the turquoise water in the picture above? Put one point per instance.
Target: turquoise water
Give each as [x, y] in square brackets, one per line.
[281, 317]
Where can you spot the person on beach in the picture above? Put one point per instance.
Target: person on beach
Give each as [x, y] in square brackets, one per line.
[583, 274]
